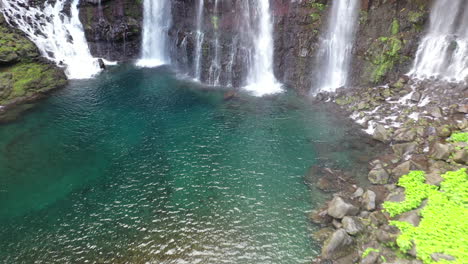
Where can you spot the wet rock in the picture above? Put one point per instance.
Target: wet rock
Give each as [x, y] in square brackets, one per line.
[320, 217]
[405, 135]
[229, 95]
[378, 218]
[412, 217]
[338, 245]
[461, 156]
[358, 193]
[102, 65]
[381, 133]
[352, 225]
[338, 208]
[435, 112]
[441, 151]
[443, 131]
[371, 258]
[337, 224]
[404, 148]
[385, 237]
[416, 97]
[378, 175]
[397, 195]
[368, 200]
[323, 234]
[403, 169]
[439, 256]
[434, 178]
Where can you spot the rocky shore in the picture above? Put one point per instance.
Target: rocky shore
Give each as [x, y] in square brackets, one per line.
[424, 124]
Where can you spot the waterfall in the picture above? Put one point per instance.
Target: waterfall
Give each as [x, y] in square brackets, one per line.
[443, 52]
[334, 56]
[59, 38]
[199, 40]
[261, 79]
[156, 23]
[215, 67]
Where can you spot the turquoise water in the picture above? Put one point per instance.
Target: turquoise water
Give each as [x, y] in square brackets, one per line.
[136, 166]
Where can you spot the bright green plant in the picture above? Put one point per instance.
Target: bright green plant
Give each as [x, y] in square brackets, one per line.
[459, 137]
[368, 251]
[443, 227]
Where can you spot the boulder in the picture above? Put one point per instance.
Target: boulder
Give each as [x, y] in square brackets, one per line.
[338, 208]
[461, 156]
[378, 218]
[403, 169]
[378, 175]
[405, 135]
[439, 256]
[411, 217]
[416, 97]
[371, 258]
[441, 151]
[338, 245]
[368, 200]
[323, 234]
[320, 217]
[434, 178]
[435, 112]
[463, 108]
[352, 225]
[381, 133]
[404, 148]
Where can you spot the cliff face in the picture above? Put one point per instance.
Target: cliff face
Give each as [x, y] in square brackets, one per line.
[24, 76]
[387, 37]
[113, 28]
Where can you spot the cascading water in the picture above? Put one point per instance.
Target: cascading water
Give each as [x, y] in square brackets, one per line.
[199, 40]
[443, 52]
[334, 57]
[215, 67]
[59, 38]
[156, 23]
[261, 79]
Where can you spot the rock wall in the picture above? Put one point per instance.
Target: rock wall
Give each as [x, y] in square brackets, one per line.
[388, 35]
[113, 28]
[24, 75]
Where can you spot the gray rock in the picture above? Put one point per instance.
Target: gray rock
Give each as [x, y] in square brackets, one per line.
[353, 225]
[411, 217]
[368, 200]
[385, 237]
[337, 245]
[415, 97]
[378, 218]
[378, 175]
[381, 133]
[435, 112]
[358, 193]
[398, 195]
[461, 156]
[439, 256]
[403, 169]
[441, 151]
[371, 258]
[434, 178]
[405, 135]
[404, 148]
[338, 208]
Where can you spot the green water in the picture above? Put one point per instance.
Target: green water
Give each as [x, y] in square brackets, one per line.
[136, 166]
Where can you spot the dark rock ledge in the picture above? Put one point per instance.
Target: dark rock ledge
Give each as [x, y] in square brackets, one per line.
[415, 120]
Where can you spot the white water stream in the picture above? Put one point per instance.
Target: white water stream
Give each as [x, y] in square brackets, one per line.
[59, 38]
[156, 24]
[334, 57]
[443, 52]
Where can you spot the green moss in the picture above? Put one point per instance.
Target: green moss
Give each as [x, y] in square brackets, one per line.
[368, 251]
[459, 137]
[395, 27]
[318, 6]
[215, 22]
[443, 227]
[415, 17]
[386, 60]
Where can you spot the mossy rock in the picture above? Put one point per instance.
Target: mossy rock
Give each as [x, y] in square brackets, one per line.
[14, 46]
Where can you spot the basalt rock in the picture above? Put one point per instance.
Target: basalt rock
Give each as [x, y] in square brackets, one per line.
[338, 208]
[338, 245]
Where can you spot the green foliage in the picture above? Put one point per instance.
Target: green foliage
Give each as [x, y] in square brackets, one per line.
[395, 27]
[368, 251]
[416, 192]
[443, 227]
[318, 6]
[459, 137]
[385, 61]
[315, 16]
[415, 17]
